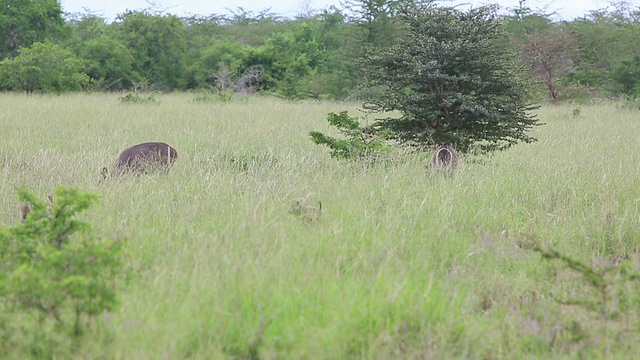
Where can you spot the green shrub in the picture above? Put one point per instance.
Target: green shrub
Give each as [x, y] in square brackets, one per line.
[54, 272]
[137, 99]
[611, 296]
[359, 143]
[213, 97]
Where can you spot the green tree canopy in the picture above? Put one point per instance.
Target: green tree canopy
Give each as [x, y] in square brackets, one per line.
[205, 70]
[85, 27]
[109, 63]
[374, 19]
[44, 67]
[451, 80]
[23, 22]
[158, 46]
[294, 58]
[608, 41]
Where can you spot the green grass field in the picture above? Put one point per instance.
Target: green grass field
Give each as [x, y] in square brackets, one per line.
[403, 263]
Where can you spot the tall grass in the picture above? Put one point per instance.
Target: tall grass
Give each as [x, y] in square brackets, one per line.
[402, 264]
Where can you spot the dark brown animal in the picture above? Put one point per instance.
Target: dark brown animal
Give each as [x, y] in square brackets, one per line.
[138, 158]
[24, 211]
[444, 157]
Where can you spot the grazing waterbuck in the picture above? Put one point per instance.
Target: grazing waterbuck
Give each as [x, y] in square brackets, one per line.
[140, 158]
[444, 157]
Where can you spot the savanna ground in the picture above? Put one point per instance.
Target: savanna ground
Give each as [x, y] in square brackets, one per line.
[402, 263]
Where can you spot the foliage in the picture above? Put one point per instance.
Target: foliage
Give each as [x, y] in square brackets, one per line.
[374, 19]
[338, 74]
[200, 28]
[357, 145]
[44, 67]
[23, 23]
[86, 27]
[317, 53]
[451, 81]
[609, 295]
[627, 76]
[137, 99]
[290, 62]
[606, 41]
[53, 270]
[157, 44]
[547, 51]
[213, 97]
[216, 65]
[109, 62]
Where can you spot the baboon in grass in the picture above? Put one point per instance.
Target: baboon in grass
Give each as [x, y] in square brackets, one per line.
[444, 157]
[308, 213]
[25, 209]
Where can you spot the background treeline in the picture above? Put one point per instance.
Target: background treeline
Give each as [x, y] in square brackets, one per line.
[314, 55]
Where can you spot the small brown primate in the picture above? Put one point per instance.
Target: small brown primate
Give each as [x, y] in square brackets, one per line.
[104, 174]
[24, 211]
[368, 137]
[308, 213]
[444, 157]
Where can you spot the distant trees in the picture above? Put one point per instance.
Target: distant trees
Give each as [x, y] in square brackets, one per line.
[109, 63]
[294, 60]
[43, 67]
[205, 71]
[548, 51]
[606, 42]
[157, 43]
[24, 22]
[374, 18]
[316, 54]
[626, 76]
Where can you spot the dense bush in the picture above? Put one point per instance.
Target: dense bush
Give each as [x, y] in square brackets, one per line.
[53, 274]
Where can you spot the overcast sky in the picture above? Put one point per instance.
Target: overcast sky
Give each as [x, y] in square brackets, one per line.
[567, 9]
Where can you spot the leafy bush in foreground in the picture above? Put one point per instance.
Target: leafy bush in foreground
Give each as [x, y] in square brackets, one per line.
[359, 142]
[52, 271]
[611, 295]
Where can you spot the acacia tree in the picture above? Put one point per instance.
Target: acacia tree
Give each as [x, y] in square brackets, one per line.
[547, 49]
[451, 80]
[551, 55]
